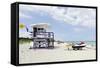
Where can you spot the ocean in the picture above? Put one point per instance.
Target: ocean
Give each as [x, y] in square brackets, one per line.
[92, 43]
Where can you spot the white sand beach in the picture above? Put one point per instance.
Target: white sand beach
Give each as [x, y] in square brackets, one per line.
[59, 53]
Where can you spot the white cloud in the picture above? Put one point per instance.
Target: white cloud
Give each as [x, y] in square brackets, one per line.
[75, 16]
[22, 15]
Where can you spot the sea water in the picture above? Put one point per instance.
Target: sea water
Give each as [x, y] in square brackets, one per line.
[91, 43]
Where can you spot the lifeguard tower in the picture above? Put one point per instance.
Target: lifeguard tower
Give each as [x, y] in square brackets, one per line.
[42, 38]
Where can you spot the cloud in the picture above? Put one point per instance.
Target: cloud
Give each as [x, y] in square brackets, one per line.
[84, 17]
[77, 16]
[23, 15]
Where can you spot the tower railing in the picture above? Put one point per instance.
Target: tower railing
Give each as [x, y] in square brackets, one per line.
[44, 35]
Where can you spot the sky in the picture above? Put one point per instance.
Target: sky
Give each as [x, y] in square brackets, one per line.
[67, 23]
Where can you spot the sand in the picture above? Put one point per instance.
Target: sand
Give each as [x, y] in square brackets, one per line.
[59, 53]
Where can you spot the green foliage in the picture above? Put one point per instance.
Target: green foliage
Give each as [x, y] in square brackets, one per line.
[24, 40]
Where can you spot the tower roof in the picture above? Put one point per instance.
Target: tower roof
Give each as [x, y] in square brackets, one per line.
[40, 25]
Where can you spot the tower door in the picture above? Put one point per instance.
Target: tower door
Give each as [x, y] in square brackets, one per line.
[34, 32]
